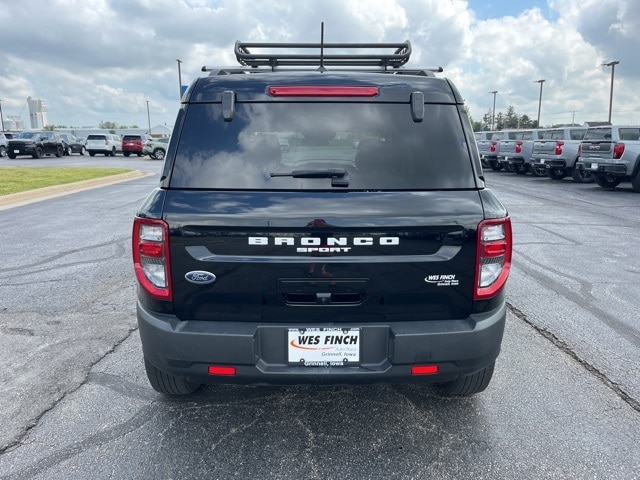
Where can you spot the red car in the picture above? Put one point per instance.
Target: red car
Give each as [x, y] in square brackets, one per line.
[133, 144]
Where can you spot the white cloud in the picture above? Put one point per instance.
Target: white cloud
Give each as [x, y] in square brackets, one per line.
[95, 60]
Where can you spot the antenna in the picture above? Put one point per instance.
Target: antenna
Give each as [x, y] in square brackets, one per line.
[321, 68]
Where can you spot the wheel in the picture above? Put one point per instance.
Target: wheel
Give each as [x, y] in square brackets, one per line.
[168, 384]
[92, 153]
[538, 171]
[83, 151]
[11, 155]
[68, 152]
[607, 180]
[126, 154]
[520, 168]
[37, 153]
[113, 152]
[467, 386]
[139, 154]
[3, 151]
[158, 154]
[635, 182]
[582, 176]
[59, 151]
[556, 173]
[494, 165]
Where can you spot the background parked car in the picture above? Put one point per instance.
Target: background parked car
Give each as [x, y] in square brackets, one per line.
[73, 144]
[36, 143]
[105, 143]
[3, 145]
[133, 143]
[612, 155]
[556, 153]
[156, 148]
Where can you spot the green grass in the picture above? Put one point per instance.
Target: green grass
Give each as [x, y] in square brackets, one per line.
[20, 179]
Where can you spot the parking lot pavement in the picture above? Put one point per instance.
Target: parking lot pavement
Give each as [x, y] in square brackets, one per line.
[543, 416]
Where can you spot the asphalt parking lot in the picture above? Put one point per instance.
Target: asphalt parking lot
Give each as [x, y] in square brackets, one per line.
[563, 402]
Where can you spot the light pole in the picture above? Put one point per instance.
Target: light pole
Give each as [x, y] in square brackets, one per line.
[1, 116]
[179, 77]
[148, 117]
[541, 81]
[613, 69]
[493, 115]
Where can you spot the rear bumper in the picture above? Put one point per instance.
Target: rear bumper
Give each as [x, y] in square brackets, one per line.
[258, 351]
[599, 167]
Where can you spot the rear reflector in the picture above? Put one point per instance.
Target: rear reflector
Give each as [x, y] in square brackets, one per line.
[219, 370]
[322, 91]
[424, 369]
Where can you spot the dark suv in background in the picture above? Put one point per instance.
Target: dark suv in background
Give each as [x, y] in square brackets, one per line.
[133, 144]
[36, 143]
[321, 220]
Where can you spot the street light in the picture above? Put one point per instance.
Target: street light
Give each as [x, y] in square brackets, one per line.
[148, 117]
[493, 115]
[613, 69]
[541, 81]
[179, 77]
[1, 117]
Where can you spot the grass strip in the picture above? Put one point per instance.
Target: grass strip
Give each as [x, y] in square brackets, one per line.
[21, 179]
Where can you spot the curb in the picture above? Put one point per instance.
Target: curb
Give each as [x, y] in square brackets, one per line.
[39, 194]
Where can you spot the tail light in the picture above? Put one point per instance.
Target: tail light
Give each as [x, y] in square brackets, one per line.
[151, 257]
[322, 91]
[518, 147]
[618, 150]
[559, 148]
[494, 257]
[492, 148]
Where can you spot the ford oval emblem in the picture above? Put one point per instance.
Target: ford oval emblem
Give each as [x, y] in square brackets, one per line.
[200, 277]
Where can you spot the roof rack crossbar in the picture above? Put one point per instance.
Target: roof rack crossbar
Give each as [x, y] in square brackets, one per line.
[399, 57]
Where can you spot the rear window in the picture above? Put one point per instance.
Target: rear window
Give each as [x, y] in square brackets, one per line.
[598, 134]
[97, 137]
[577, 134]
[363, 146]
[132, 138]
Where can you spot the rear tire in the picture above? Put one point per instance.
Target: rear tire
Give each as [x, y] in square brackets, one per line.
[126, 154]
[494, 165]
[3, 151]
[12, 155]
[38, 152]
[635, 182]
[168, 384]
[59, 151]
[92, 153]
[520, 168]
[607, 180]
[468, 385]
[556, 173]
[582, 176]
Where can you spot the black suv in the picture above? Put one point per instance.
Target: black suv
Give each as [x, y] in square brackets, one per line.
[321, 219]
[36, 143]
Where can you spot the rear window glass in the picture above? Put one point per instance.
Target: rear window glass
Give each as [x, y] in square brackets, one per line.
[132, 138]
[97, 137]
[598, 134]
[577, 134]
[363, 146]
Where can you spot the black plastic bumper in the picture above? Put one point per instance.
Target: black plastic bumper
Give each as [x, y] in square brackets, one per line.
[614, 168]
[258, 351]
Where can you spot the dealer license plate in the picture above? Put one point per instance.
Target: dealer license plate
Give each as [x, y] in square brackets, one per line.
[594, 166]
[323, 347]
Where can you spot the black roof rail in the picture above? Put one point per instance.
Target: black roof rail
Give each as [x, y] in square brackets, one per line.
[399, 56]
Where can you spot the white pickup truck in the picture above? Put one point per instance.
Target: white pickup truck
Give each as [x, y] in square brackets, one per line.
[557, 152]
[612, 155]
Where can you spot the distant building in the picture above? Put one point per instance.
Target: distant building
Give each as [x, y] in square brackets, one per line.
[13, 123]
[37, 113]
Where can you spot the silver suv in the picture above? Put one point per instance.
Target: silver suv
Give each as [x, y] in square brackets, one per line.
[105, 143]
[3, 145]
[612, 154]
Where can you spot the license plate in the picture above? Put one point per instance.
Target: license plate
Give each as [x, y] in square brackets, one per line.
[16, 151]
[542, 162]
[594, 166]
[323, 347]
[506, 159]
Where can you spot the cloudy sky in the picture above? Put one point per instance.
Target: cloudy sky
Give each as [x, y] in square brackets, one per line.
[102, 60]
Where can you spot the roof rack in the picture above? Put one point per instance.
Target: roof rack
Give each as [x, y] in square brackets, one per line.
[399, 57]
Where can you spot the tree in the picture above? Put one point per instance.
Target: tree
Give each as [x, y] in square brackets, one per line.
[108, 125]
